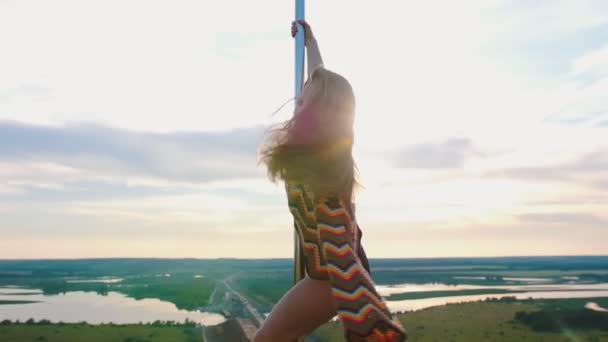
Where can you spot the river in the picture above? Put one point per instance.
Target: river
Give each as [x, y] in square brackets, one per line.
[93, 308]
[547, 291]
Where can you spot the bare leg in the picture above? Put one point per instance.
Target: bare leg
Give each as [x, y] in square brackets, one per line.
[300, 311]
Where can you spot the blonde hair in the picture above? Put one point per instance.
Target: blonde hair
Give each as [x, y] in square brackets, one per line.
[314, 147]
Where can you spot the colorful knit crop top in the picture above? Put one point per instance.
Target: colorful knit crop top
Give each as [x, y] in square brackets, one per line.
[328, 236]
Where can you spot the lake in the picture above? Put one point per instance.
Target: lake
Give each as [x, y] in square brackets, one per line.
[93, 308]
[118, 308]
[528, 291]
[548, 291]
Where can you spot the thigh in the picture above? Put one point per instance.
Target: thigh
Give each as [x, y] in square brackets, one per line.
[301, 310]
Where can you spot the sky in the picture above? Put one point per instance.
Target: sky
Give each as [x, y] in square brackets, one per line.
[130, 128]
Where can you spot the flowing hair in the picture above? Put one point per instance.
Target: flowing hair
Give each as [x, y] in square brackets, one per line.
[314, 147]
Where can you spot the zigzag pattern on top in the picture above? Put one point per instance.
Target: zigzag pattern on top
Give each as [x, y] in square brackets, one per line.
[303, 211]
[329, 239]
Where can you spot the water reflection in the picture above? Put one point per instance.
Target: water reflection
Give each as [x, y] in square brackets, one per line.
[419, 304]
[104, 280]
[95, 309]
[18, 291]
[387, 290]
[528, 291]
[595, 307]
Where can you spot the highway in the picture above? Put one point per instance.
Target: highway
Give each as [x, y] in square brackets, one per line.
[256, 318]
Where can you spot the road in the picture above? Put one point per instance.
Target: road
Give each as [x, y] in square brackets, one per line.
[203, 332]
[255, 315]
[212, 294]
[250, 325]
[256, 318]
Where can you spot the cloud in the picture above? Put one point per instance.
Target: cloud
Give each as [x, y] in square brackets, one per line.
[581, 16]
[483, 238]
[548, 173]
[594, 62]
[573, 219]
[582, 118]
[26, 92]
[203, 69]
[451, 153]
[112, 152]
[583, 99]
[589, 167]
[602, 184]
[583, 103]
[596, 161]
[214, 66]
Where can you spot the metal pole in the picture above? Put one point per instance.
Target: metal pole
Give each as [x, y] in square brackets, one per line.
[299, 269]
[299, 72]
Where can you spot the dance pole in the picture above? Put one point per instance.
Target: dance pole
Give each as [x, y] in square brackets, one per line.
[299, 48]
[299, 268]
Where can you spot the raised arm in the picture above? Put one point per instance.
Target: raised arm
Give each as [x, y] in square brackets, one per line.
[364, 315]
[313, 55]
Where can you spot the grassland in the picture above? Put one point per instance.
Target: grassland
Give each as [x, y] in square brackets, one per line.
[229, 331]
[478, 322]
[142, 278]
[98, 333]
[9, 302]
[431, 294]
[264, 281]
[264, 288]
[568, 304]
[182, 289]
[185, 291]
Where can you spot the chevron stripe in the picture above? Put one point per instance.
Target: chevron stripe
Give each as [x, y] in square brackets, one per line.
[319, 265]
[298, 198]
[344, 274]
[361, 323]
[304, 216]
[343, 256]
[381, 331]
[348, 288]
[361, 291]
[328, 241]
[366, 320]
[313, 249]
[301, 192]
[336, 231]
[333, 212]
[312, 232]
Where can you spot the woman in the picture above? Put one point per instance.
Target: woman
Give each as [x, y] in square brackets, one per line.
[312, 153]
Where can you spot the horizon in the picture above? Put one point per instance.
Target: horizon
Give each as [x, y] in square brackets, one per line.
[288, 259]
[481, 126]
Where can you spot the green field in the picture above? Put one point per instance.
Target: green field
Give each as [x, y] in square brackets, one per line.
[431, 294]
[7, 302]
[478, 322]
[533, 273]
[466, 322]
[181, 289]
[142, 278]
[265, 281]
[264, 288]
[98, 333]
[185, 291]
